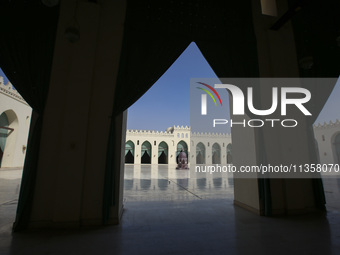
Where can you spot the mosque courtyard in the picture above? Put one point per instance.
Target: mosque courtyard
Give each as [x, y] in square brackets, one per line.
[165, 183]
[169, 211]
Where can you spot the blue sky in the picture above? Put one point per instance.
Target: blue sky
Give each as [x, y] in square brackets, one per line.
[331, 110]
[4, 76]
[167, 102]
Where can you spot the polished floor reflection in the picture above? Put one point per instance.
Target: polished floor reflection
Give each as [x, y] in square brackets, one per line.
[165, 183]
[170, 212]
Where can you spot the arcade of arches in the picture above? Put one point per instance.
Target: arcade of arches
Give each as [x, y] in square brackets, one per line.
[152, 147]
[211, 148]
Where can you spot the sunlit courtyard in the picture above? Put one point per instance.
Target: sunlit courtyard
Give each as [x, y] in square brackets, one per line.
[169, 211]
[166, 183]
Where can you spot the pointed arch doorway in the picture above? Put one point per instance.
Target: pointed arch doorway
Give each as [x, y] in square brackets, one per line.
[155, 40]
[163, 151]
[146, 153]
[8, 135]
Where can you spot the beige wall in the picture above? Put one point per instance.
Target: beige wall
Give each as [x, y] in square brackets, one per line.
[172, 138]
[19, 115]
[138, 137]
[325, 135]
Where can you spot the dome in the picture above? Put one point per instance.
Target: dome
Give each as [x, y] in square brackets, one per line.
[170, 129]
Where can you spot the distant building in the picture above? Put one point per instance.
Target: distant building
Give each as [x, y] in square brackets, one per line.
[15, 118]
[154, 147]
[327, 137]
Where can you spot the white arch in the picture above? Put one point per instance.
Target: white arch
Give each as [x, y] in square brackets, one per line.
[216, 153]
[336, 157]
[200, 149]
[229, 153]
[129, 148]
[146, 147]
[13, 124]
[163, 147]
[182, 145]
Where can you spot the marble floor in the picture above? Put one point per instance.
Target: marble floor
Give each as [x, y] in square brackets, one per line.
[178, 212]
[165, 183]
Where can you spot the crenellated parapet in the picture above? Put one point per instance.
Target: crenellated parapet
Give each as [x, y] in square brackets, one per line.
[135, 132]
[326, 125]
[8, 90]
[215, 135]
[169, 133]
[181, 128]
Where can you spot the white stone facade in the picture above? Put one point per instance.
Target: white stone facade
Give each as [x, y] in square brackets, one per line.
[327, 136]
[328, 146]
[15, 121]
[213, 147]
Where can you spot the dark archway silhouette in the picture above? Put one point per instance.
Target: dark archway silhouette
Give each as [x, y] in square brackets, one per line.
[199, 158]
[163, 153]
[162, 159]
[129, 152]
[146, 153]
[200, 153]
[336, 146]
[3, 134]
[129, 158]
[216, 153]
[146, 159]
[229, 154]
